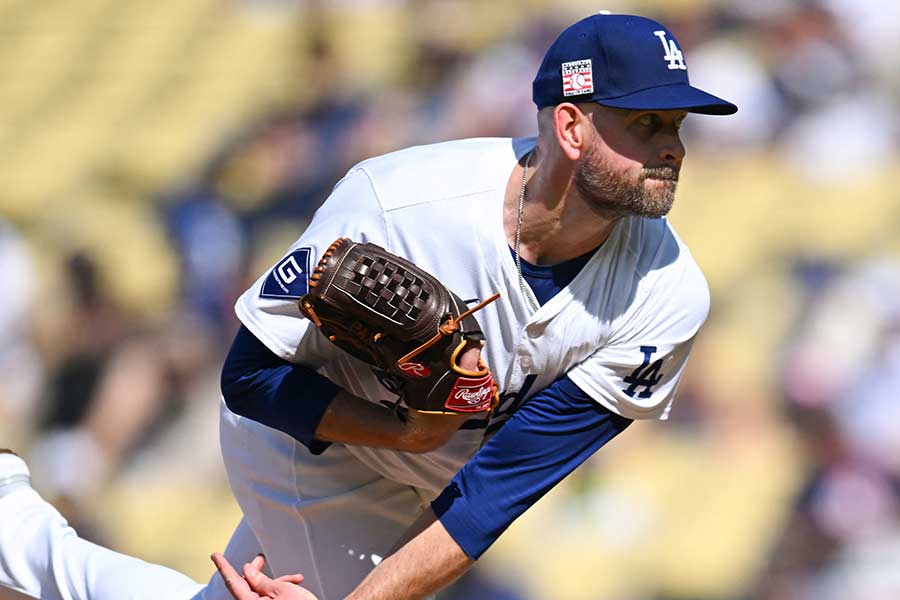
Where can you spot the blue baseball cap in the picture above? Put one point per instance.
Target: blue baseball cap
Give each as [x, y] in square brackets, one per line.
[622, 61]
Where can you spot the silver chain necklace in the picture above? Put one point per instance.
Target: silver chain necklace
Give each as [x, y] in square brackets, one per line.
[525, 293]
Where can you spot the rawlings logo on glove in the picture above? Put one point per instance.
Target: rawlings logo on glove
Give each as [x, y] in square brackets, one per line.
[389, 313]
[470, 395]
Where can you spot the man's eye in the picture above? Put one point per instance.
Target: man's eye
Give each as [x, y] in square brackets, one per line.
[647, 120]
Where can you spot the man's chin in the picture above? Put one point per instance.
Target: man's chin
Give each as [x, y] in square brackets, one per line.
[658, 197]
[653, 208]
[652, 213]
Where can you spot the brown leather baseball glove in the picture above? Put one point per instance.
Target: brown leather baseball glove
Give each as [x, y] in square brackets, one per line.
[389, 313]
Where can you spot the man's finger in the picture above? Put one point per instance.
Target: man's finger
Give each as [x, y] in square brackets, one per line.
[233, 581]
[296, 578]
[259, 582]
[258, 562]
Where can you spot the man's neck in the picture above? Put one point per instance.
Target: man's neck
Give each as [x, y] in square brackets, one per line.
[557, 223]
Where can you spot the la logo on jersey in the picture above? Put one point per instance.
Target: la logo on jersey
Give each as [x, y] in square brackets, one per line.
[577, 77]
[290, 277]
[672, 54]
[646, 375]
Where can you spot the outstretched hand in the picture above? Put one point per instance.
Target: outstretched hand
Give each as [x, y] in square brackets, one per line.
[254, 585]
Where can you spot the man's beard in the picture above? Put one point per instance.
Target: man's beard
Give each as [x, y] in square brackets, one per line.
[612, 194]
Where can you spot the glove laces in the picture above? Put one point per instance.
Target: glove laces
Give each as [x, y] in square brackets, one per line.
[448, 328]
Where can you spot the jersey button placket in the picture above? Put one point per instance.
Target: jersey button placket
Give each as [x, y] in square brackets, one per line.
[524, 350]
[525, 364]
[534, 331]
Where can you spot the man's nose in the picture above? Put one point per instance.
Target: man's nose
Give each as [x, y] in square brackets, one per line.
[672, 150]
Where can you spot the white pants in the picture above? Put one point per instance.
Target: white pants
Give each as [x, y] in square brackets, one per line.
[329, 517]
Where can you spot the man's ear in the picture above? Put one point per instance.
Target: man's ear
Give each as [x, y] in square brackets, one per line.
[572, 128]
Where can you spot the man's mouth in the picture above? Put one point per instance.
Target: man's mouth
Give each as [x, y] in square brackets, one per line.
[661, 174]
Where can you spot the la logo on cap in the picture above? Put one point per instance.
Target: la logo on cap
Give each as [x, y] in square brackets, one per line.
[577, 77]
[673, 54]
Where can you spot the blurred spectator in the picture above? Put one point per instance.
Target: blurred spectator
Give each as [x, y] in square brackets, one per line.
[21, 367]
[733, 67]
[841, 377]
[210, 243]
[112, 383]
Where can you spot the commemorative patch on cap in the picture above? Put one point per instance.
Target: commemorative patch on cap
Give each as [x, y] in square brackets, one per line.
[289, 279]
[577, 78]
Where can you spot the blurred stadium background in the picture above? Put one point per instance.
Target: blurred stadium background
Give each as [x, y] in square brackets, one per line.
[156, 156]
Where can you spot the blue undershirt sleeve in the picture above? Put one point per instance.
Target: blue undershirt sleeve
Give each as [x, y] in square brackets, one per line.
[259, 385]
[545, 440]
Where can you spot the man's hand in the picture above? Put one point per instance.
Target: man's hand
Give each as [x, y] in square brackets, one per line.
[352, 420]
[254, 585]
[424, 431]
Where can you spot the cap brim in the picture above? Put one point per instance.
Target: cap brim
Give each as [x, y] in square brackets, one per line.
[672, 97]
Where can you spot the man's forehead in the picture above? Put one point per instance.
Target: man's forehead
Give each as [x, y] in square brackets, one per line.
[590, 107]
[595, 110]
[632, 112]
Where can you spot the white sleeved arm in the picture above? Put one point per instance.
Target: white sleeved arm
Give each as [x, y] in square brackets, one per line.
[42, 557]
[636, 374]
[269, 307]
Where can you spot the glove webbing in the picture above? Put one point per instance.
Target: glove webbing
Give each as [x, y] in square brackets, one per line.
[448, 328]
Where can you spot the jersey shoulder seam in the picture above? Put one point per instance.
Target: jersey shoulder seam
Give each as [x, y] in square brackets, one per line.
[384, 220]
[442, 198]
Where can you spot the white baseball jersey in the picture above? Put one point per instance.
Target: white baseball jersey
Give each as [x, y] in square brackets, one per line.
[621, 330]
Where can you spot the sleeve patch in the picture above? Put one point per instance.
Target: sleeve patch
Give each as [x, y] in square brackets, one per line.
[289, 279]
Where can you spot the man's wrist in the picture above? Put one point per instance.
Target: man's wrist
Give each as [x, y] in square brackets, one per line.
[424, 432]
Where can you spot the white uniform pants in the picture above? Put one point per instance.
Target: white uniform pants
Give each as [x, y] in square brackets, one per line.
[329, 517]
